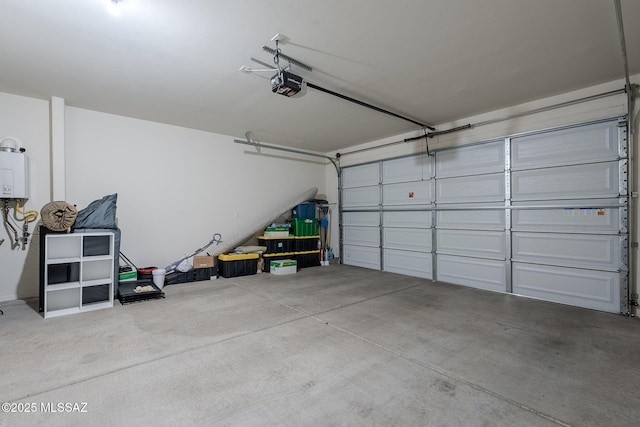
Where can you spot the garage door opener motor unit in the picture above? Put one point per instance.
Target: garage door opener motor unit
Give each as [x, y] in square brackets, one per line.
[286, 83]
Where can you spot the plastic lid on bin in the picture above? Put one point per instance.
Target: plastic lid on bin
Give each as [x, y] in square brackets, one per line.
[237, 257]
[278, 254]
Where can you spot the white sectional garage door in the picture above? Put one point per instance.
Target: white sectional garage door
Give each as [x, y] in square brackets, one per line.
[407, 192]
[470, 226]
[542, 215]
[360, 195]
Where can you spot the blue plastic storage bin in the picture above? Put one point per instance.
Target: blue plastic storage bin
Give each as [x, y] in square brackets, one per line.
[305, 210]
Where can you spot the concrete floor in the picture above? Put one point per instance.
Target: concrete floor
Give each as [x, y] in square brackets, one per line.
[327, 346]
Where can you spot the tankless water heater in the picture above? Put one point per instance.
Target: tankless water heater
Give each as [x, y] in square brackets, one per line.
[14, 175]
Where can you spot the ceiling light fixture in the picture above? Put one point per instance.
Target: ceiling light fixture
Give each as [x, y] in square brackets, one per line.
[113, 6]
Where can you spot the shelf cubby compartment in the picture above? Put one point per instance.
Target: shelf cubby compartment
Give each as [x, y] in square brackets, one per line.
[97, 269]
[96, 295]
[95, 246]
[60, 248]
[63, 301]
[63, 272]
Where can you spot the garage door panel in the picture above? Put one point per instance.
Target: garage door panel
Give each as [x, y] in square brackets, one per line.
[406, 169]
[428, 167]
[371, 219]
[596, 251]
[408, 193]
[473, 272]
[473, 160]
[480, 188]
[361, 176]
[599, 290]
[407, 239]
[541, 214]
[487, 219]
[584, 220]
[361, 256]
[421, 219]
[414, 264]
[474, 243]
[361, 197]
[567, 182]
[365, 236]
[581, 144]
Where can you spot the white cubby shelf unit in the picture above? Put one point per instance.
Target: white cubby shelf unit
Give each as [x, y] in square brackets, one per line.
[78, 272]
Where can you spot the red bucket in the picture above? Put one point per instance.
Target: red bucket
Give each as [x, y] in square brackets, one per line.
[145, 273]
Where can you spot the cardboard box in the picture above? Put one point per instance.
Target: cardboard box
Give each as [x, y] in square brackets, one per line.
[283, 266]
[273, 257]
[202, 261]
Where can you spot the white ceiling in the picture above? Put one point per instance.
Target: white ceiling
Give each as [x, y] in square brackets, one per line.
[434, 61]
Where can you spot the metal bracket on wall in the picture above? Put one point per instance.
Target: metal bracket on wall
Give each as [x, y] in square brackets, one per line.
[623, 142]
[623, 166]
[624, 289]
[624, 246]
[623, 213]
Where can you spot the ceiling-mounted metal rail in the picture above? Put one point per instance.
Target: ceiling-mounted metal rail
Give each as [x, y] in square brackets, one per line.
[289, 150]
[277, 54]
[372, 107]
[623, 44]
[630, 88]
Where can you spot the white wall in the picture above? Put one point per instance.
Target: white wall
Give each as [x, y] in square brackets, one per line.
[610, 106]
[176, 186]
[28, 120]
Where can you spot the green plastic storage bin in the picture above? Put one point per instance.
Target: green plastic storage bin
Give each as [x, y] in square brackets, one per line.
[305, 227]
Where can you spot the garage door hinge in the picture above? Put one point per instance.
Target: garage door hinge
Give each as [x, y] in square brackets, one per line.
[622, 123]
